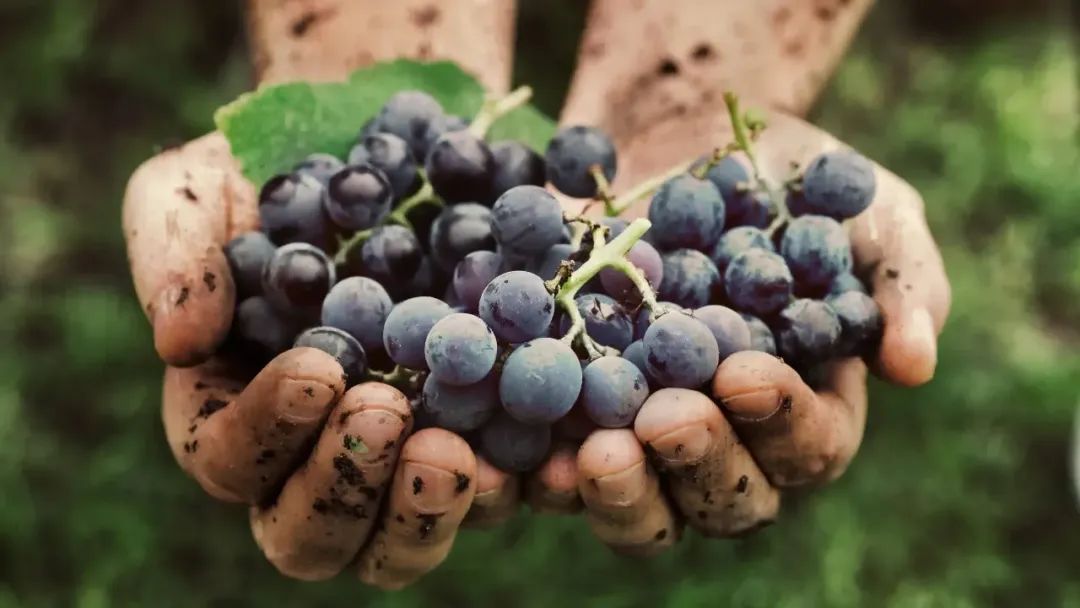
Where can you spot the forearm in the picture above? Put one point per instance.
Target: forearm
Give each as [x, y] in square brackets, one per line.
[327, 39]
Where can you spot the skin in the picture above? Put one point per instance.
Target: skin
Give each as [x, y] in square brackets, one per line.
[245, 437]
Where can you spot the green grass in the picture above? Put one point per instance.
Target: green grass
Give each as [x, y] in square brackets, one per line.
[959, 497]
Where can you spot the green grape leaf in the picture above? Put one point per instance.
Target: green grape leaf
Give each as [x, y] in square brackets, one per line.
[276, 126]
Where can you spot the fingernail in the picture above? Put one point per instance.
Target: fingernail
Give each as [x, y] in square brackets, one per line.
[373, 434]
[685, 445]
[431, 490]
[753, 406]
[623, 488]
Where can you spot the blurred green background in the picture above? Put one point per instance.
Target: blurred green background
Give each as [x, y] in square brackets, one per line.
[961, 495]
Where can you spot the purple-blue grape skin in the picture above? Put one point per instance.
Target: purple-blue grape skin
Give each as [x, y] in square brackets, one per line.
[515, 165]
[572, 152]
[727, 326]
[296, 279]
[406, 329]
[341, 346]
[472, 275]
[846, 282]
[358, 197]
[615, 226]
[635, 353]
[527, 220]
[391, 253]
[458, 231]
[460, 349]
[390, 154]
[807, 331]
[410, 115]
[817, 250]
[291, 211]
[759, 211]
[644, 317]
[612, 391]
[861, 323]
[320, 166]
[680, 351]
[247, 255]
[737, 240]
[261, 330]
[461, 408]
[838, 184]
[647, 260]
[358, 306]
[513, 446]
[687, 213]
[447, 123]
[689, 279]
[744, 206]
[606, 321]
[540, 381]
[517, 306]
[761, 337]
[546, 265]
[758, 282]
[459, 167]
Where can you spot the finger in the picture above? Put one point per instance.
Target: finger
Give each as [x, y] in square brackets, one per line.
[621, 492]
[893, 241]
[497, 496]
[711, 476]
[179, 208]
[328, 507]
[432, 489]
[241, 451]
[797, 437]
[553, 487]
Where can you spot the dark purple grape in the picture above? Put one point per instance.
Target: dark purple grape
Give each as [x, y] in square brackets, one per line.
[341, 346]
[411, 115]
[390, 154]
[861, 323]
[737, 240]
[261, 330]
[689, 279]
[248, 254]
[647, 260]
[460, 167]
[807, 331]
[687, 213]
[758, 282]
[458, 231]
[761, 337]
[606, 321]
[838, 184]
[296, 279]
[472, 275]
[320, 166]
[817, 250]
[730, 330]
[291, 211]
[358, 197]
[515, 165]
[359, 306]
[391, 254]
[570, 156]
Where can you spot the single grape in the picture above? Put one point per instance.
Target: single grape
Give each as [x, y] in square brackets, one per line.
[296, 279]
[606, 321]
[390, 254]
[796, 203]
[422, 218]
[261, 331]
[761, 337]
[358, 306]
[758, 211]
[461, 408]
[458, 231]
[390, 154]
[838, 184]
[612, 391]
[680, 351]
[758, 282]
[460, 349]
[743, 205]
[447, 123]
[817, 250]
[517, 306]
[358, 197]
[340, 345]
[472, 275]
[406, 329]
[515, 165]
[546, 265]
[571, 154]
[861, 323]
[320, 166]
[513, 446]
[730, 330]
[736, 241]
[807, 331]
[844, 283]
[687, 213]
[411, 115]
[635, 353]
[291, 211]
[647, 260]
[540, 381]
[644, 317]
[527, 220]
[460, 167]
[248, 254]
[513, 260]
[690, 279]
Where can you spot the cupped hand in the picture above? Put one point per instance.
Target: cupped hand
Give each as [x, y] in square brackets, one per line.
[725, 460]
[334, 479]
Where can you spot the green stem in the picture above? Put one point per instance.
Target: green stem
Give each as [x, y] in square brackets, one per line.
[742, 140]
[425, 195]
[645, 188]
[495, 108]
[640, 282]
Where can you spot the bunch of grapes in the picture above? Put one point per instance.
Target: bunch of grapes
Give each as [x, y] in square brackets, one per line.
[436, 261]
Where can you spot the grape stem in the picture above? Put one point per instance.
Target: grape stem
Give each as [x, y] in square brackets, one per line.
[424, 196]
[400, 377]
[611, 254]
[623, 202]
[495, 108]
[746, 128]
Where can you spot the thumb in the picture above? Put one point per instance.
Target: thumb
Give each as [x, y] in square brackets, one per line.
[180, 207]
